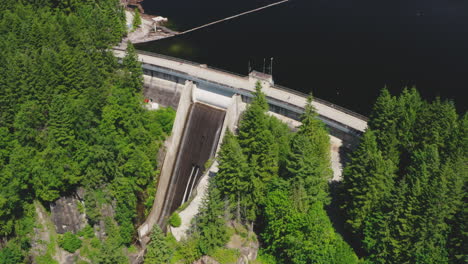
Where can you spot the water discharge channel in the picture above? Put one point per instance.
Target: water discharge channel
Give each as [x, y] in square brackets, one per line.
[199, 142]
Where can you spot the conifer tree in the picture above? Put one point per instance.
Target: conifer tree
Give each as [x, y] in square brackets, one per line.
[135, 72]
[383, 121]
[232, 177]
[210, 225]
[315, 130]
[253, 120]
[158, 251]
[368, 180]
[136, 19]
[303, 168]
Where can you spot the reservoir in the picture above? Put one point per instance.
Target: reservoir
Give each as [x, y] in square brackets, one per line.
[343, 51]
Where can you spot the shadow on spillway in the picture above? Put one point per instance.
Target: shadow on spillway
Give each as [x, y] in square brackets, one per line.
[199, 142]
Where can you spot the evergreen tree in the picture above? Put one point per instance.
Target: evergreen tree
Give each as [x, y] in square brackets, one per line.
[383, 121]
[315, 130]
[253, 120]
[136, 19]
[368, 180]
[295, 235]
[158, 251]
[408, 213]
[135, 72]
[304, 168]
[232, 178]
[210, 225]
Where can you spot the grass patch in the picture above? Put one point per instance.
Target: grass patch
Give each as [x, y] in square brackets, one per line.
[226, 256]
[264, 258]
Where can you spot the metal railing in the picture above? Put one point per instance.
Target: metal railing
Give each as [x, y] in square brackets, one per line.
[280, 87]
[201, 65]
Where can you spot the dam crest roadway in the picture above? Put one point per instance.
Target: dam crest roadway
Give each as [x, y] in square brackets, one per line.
[209, 101]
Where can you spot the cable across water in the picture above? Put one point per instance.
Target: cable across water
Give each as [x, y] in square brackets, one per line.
[235, 16]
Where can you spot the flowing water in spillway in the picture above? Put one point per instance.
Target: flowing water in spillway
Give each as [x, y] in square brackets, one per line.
[200, 139]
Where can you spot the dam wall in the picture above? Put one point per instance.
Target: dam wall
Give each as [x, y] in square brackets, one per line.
[209, 102]
[342, 123]
[162, 91]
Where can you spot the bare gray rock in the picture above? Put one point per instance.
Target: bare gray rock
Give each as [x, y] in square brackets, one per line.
[66, 216]
[206, 260]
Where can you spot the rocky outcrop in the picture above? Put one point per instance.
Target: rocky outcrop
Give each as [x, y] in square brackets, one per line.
[206, 260]
[246, 244]
[107, 211]
[67, 214]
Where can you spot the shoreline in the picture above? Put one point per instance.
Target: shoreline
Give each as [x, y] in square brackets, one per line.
[149, 30]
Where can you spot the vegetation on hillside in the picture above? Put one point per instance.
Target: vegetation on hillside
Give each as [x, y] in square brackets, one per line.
[405, 187]
[71, 115]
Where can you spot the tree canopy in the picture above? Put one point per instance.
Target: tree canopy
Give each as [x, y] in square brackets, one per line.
[404, 189]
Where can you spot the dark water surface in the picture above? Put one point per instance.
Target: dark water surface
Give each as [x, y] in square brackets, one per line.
[343, 51]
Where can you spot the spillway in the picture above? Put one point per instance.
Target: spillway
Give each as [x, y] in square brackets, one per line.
[200, 139]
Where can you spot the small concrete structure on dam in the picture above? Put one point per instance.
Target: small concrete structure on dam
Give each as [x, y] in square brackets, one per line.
[209, 101]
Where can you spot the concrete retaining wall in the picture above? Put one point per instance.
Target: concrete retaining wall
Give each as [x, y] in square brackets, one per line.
[161, 91]
[172, 145]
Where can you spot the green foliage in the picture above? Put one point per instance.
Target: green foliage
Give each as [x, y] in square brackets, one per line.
[71, 115]
[16, 249]
[288, 209]
[175, 220]
[264, 258]
[226, 256]
[134, 77]
[51, 92]
[404, 189]
[70, 242]
[368, 179]
[298, 235]
[12, 253]
[126, 207]
[211, 229]
[86, 232]
[46, 259]
[232, 178]
[158, 250]
[136, 19]
[111, 250]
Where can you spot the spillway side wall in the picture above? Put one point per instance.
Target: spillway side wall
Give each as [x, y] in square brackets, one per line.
[172, 145]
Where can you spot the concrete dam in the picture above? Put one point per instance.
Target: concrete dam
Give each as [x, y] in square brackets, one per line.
[209, 101]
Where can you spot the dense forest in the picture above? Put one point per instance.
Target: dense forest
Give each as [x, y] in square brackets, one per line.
[72, 116]
[404, 191]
